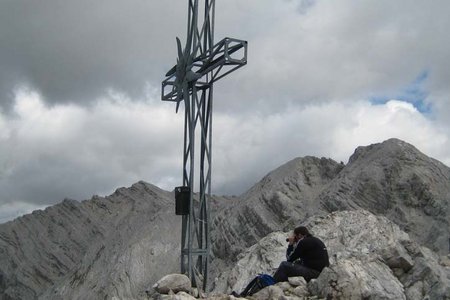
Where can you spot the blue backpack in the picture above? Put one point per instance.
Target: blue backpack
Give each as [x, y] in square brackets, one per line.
[257, 284]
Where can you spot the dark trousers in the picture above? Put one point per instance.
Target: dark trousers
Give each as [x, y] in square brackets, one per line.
[288, 269]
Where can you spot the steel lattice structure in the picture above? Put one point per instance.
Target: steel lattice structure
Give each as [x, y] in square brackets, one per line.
[199, 65]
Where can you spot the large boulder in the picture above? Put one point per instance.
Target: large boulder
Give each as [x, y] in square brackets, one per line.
[355, 278]
[370, 256]
[368, 238]
[263, 257]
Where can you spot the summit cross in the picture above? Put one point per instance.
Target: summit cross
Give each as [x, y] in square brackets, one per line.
[199, 65]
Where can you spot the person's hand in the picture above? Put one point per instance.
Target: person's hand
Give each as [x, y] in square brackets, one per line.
[291, 239]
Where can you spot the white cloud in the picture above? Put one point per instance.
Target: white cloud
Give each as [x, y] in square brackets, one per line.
[53, 152]
[246, 147]
[375, 123]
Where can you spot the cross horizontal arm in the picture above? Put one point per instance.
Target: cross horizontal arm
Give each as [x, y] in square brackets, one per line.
[222, 55]
[229, 52]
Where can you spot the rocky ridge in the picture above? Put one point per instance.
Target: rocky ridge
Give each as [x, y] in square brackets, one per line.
[114, 246]
[101, 247]
[278, 202]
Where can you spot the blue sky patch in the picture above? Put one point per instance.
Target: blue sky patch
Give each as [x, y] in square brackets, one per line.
[413, 93]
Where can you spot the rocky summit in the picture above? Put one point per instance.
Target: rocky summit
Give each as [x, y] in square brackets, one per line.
[371, 258]
[396, 180]
[383, 215]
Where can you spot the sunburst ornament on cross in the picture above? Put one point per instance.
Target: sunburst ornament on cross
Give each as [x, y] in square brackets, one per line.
[199, 65]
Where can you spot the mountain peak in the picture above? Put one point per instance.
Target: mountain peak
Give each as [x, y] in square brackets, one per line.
[395, 179]
[389, 148]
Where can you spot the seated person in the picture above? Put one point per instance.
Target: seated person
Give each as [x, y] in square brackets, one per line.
[306, 256]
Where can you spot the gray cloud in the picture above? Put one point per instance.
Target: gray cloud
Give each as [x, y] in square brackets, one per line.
[300, 51]
[74, 51]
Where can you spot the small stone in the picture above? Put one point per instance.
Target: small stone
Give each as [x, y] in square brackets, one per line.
[301, 291]
[415, 291]
[183, 296]
[288, 298]
[402, 261]
[270, 292]
[285, 286]
[398, 272]
[445, 261]
[194, 292]
[313, 287]
[173, 282]
[296, 281]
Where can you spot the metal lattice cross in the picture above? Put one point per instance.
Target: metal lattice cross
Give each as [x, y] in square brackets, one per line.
[199, 65]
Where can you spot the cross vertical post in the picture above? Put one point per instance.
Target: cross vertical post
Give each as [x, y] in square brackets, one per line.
[199, 65]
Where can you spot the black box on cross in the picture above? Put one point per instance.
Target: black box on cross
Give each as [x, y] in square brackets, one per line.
[182, 200]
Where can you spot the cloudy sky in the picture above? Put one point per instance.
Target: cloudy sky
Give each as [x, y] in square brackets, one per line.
[80, 108]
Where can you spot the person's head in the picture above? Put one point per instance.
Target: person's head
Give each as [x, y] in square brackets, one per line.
[301, 231]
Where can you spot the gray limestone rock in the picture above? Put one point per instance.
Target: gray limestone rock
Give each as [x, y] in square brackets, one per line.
[392, 178]
[297, 281]
[397, 257]
[427, 279]
[364, 236]
[364, 250]
[270, 292]
[103, 247]
[277, 202]
[263, 257]
[396, 180]
[353, 278]
[173, 282]
[138, 237]
[286, 287]
[445, 261]
[301, 288]
[178, 296]
[38, 249]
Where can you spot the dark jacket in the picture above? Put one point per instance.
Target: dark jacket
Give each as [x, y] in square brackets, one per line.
[312, 252]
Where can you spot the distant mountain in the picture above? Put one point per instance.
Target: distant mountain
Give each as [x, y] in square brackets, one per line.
[118, 246]
[392, 178]
[396, 180]
[279, 202]
[96, 248]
